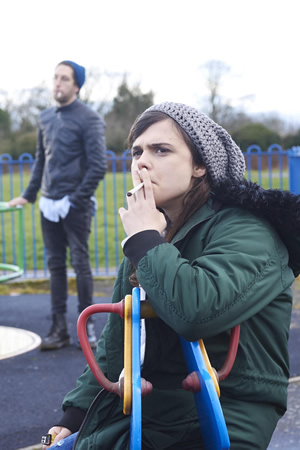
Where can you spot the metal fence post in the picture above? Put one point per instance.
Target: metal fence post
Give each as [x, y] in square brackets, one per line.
[294, 169]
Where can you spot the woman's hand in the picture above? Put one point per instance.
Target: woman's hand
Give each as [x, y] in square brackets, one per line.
[59, 433]
[142, 213]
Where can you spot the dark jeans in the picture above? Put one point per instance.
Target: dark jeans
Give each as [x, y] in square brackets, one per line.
[72, 232]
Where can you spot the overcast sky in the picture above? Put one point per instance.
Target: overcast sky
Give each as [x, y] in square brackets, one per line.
[160, 44]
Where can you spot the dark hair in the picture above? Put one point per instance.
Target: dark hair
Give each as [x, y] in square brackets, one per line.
[200, 190]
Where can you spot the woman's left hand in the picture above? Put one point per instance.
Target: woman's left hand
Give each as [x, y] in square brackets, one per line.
[142, 213]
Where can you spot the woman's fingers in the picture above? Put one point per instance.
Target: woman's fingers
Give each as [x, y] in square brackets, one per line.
[146, 192]
[136, 178]
[121, 212]
[142, 213]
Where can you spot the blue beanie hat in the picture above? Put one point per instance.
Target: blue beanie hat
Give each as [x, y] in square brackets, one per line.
[79, 72]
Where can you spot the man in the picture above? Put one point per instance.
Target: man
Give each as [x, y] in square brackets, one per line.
[70, 161]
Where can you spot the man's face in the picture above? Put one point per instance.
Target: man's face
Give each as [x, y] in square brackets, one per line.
[64, 88]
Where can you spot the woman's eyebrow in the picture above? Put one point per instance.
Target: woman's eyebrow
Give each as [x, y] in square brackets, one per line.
[135, 147]
[151, 146]
[159, 144]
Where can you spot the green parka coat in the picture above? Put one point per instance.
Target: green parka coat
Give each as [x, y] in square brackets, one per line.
[226, 266]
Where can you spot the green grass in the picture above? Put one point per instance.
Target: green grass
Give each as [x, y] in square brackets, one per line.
[107, 232]
[275, 181]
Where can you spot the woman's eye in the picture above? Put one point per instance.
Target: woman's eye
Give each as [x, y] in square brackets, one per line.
[162, 150]
[136, 153]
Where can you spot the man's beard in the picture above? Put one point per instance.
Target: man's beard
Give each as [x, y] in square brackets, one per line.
[60, 98]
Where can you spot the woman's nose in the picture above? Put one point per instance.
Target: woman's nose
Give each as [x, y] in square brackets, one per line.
[143, 161]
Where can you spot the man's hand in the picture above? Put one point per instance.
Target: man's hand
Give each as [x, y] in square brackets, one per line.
[18, 201]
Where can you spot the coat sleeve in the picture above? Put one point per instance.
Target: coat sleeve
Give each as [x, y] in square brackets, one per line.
[35, 181]
[95, 154]
[224, 275]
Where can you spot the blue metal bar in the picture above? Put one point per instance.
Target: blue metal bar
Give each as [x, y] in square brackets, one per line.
[26, 158]
[126, 156]
[105, 225]
[211, 419]
[12, 215]
[24, 239]
[7, 159]
[270, 168]
[96, 244]
[116, 236]
[252, 150]
[294, 169]
[136, 412]
[2, 159]
[275, 150]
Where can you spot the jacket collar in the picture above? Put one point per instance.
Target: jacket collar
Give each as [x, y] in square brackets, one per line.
[207, 211]
[67, 107]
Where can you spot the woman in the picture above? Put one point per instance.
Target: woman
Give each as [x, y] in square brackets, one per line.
[212, 251]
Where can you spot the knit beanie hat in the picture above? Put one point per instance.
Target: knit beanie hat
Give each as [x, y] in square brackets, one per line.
[79, 72]
[221, 156]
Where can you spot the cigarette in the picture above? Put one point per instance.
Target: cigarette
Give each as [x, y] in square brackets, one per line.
[59, 94]
[135, 189]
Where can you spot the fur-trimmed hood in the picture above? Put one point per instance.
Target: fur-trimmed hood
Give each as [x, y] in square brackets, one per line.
[280, 208]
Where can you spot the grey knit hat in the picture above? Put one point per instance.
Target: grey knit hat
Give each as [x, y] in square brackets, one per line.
[221, 156]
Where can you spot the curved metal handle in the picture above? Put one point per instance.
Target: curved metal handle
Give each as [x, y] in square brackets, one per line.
[231, 354]
[118, 308]
[15, 272]
[192, 383]
[146, 311]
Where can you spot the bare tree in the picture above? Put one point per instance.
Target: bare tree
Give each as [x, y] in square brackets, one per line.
[25, 110]
[274, 122]
[100, 88]
[214, 72]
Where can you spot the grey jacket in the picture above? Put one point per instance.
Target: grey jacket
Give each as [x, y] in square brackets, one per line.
[71, 154]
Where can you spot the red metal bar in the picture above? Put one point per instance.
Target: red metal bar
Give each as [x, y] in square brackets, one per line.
[232, 350]
[117, 308]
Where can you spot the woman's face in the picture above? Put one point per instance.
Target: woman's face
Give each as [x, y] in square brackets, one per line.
[163, 152]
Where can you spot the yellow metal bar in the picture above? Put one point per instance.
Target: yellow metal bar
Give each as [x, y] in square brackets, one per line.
[208, 366]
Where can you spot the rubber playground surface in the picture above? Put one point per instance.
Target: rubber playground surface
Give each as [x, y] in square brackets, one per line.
[33, 383]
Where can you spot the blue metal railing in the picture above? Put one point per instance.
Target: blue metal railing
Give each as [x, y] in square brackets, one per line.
[270, 169]
[294, 169]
